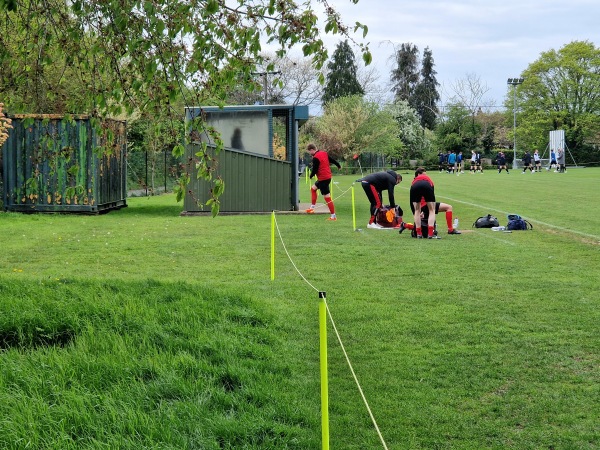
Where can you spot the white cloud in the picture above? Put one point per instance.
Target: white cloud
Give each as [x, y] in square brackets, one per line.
[493, 39]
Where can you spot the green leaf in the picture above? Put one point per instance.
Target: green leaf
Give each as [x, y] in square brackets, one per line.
[219, 188]
[178, 150]
[10, 5]
[211, 7]
[215, 209]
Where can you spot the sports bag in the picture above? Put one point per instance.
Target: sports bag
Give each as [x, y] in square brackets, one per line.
[388, 217]
[516, 222]
[488, 221]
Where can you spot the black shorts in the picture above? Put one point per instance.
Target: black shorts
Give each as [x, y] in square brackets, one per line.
[425, 211]
[323, 186]
[422, 189]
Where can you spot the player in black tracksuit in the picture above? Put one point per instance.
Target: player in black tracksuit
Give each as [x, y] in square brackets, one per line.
[375, 184]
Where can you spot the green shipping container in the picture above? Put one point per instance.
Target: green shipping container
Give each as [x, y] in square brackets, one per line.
[55, 163]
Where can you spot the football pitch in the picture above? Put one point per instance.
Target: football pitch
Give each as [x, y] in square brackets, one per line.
[142, 328]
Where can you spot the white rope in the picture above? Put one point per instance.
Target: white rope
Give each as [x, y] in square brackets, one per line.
[336, 198]
[356, 379]
[339, 338]
[290, 258]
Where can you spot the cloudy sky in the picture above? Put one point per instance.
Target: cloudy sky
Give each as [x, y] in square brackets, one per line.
[491, 39]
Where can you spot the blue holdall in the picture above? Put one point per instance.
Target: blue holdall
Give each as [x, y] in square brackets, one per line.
[516, 222]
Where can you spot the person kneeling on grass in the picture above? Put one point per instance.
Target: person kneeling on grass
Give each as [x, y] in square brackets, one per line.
[374, 185]
[439, 207]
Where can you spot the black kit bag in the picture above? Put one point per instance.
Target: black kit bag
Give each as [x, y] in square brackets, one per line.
[488, 221]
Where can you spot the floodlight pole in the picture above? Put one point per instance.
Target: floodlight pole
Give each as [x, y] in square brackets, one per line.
[265, 75]
[515, 82]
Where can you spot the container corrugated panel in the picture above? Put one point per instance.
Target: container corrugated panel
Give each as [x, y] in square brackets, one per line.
[56, 164]
[253, 183]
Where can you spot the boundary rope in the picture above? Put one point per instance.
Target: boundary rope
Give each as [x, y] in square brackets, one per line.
[338, 336]
[336, 198]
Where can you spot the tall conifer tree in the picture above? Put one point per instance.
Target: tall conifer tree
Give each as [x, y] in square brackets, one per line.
[426, 96]
[341, 78]
[406, 74]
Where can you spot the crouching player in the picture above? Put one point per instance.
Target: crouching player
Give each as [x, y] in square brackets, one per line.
[374, 185]
[439, 207]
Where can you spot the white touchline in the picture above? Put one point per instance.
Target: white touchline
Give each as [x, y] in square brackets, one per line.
[487, 208]
[453, 200]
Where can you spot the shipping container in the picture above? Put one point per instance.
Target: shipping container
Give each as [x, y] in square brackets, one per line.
[65, 164]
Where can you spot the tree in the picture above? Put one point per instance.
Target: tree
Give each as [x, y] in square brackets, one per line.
[415, 144]
[469, 92]
[561, 90]
[32, 81]
[418, 88]
[457, 131]
[426, 96]
[352, 125]
[494, 132]
[341, 74]
[136, 55]
[297, 82]
[368, 77]
[405, 76]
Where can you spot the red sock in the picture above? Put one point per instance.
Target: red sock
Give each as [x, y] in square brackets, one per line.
[331, 207]
[419, 231]
[449, 220]
[313, 197]
[429, 230]
[409, 226]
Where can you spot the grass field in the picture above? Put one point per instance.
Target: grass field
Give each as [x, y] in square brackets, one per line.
[142, 328]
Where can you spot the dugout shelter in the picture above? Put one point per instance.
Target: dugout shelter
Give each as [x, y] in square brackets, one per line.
[259, 163]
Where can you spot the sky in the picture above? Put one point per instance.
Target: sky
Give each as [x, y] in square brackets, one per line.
[492, 40]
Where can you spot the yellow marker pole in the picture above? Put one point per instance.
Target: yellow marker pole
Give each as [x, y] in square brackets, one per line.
[272, 245]
[353, 211]
[324, 383]
[306, 175]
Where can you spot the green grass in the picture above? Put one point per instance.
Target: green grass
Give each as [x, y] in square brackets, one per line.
[142, 328]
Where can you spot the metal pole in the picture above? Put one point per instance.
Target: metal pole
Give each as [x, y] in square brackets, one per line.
[514, 126]
[265, 87]
[265, 75]
[515, 82]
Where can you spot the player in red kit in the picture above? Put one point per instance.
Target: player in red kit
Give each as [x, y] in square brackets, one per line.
[320, 167]
[422, 188]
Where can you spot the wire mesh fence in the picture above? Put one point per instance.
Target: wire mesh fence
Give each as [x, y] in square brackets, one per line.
[151, 173]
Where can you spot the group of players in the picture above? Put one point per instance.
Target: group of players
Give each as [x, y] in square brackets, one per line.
[452, 162]
[422, 196]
